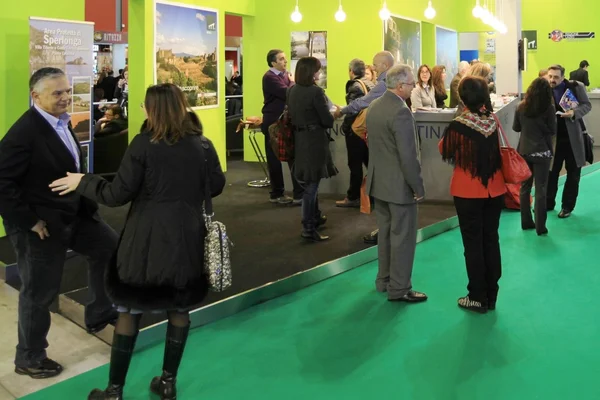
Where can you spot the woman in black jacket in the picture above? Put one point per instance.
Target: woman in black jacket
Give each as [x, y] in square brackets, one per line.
[535, 118]
[159, 262]
[309, 111]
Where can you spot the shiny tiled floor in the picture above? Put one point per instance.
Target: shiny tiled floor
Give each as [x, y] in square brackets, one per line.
[70, 345]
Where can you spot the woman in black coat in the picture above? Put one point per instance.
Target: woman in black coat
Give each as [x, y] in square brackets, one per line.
[535, 118]
[159, 261]
[309, 111]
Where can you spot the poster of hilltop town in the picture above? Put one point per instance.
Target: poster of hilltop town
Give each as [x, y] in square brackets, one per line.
[186, 51]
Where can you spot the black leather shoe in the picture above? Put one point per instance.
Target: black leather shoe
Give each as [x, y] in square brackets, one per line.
[314, 236]
[111, 319]
[411, 297]
[45, 369]
[564, 213]
[542, 232]
[321, 221]
[527, 225]
[112, 392]
[371, 238]
[164, 386]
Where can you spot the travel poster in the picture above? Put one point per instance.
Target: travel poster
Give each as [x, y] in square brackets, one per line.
[310, 44]
[446, 44]
[402, 38]
[68, 45]
[186, 43]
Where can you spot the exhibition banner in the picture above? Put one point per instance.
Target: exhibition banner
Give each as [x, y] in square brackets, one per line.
[446, 52]
[68, 45]
[310, 44]
[402, 38]
[187, 49]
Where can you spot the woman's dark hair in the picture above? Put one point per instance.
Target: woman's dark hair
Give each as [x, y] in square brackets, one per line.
[306, 69]
[168, 117]
[424, 66]
[537, 99]
[474, 93]
[272, 56]
[436, 80]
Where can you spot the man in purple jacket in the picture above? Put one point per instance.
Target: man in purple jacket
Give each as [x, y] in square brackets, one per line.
[276, 82]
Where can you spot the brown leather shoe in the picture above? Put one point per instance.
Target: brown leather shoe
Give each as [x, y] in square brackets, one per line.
[45, 369]
[411, 297]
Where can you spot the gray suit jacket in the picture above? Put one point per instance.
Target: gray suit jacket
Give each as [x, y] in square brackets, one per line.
[574, 124]
[394, 173]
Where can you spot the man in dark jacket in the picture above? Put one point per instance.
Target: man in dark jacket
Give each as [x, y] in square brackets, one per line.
[570, 148]
[275, 84]
[581, 74]
[41, 225]
[356, 147]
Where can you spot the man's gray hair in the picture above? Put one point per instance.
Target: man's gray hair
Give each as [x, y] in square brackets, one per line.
[358, 67]
[463, 66]
[43, 74]
[398, 74]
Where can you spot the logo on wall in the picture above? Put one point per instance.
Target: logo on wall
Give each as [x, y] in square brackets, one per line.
[211, 23]
[558, 35]
[530, 37]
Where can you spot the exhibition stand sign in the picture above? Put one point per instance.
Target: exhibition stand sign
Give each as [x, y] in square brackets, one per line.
[68, 45]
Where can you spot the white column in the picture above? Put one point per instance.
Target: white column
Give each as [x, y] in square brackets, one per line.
[508, 75]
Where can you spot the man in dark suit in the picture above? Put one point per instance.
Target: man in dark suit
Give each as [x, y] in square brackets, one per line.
[581, 74]
[275, 84]
[109, 84]
[38, 149]
[394, 181]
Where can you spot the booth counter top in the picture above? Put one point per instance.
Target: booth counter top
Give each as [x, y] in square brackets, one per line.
[436, 173]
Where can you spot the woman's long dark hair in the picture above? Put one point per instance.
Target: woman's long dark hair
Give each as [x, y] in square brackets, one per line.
[537, 99]
[436, 80]
[168, 117]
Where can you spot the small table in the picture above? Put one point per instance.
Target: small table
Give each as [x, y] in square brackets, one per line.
[262, 160]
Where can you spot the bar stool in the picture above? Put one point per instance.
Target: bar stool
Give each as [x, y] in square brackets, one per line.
[262, 160]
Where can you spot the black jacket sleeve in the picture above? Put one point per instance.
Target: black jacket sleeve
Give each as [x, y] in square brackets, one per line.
[15, 156]
[216, 175]
[125, 185]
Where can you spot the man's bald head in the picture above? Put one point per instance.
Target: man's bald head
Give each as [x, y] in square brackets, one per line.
[383, 61]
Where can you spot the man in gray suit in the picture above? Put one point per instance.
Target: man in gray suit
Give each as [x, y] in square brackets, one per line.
[570, 149]
[394, 181]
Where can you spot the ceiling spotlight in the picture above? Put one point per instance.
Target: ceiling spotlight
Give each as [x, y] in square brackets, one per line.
[430, 11]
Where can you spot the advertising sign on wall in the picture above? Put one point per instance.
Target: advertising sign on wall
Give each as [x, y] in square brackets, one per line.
[446, 49]
[187, 49]
[310, 44]
[68, 45]
[402, 38]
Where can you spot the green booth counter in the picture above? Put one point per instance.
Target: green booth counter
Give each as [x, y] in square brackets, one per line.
[430, 127]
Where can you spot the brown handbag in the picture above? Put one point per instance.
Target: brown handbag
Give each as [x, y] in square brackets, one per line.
[359, 126]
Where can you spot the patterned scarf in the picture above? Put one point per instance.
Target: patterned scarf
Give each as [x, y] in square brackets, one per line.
[471, 143]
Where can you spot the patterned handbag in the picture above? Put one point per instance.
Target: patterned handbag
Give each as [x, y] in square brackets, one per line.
[217, 265]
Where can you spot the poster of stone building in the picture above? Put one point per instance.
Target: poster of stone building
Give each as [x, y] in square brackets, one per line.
[402, 37]
[187, 48]
[310, 44]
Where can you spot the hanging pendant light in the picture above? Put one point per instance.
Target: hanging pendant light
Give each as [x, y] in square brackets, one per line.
[340, 15]
[430, 11]
[384, 13]
[296, 16]
[477, 10]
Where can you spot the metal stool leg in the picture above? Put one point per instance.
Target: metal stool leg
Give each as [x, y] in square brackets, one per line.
[262, 160]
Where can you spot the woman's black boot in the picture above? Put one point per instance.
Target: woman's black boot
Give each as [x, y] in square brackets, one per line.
[164, 386]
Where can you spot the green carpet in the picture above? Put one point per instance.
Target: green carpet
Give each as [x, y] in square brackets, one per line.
[340, 339]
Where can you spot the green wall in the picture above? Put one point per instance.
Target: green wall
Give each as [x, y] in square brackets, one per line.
[141, 64]
[563, 15]
[361, 35]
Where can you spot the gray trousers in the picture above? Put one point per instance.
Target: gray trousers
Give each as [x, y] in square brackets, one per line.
[396, 247]
[40, 264]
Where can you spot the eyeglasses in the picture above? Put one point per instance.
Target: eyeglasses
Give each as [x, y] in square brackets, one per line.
[409, 84]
